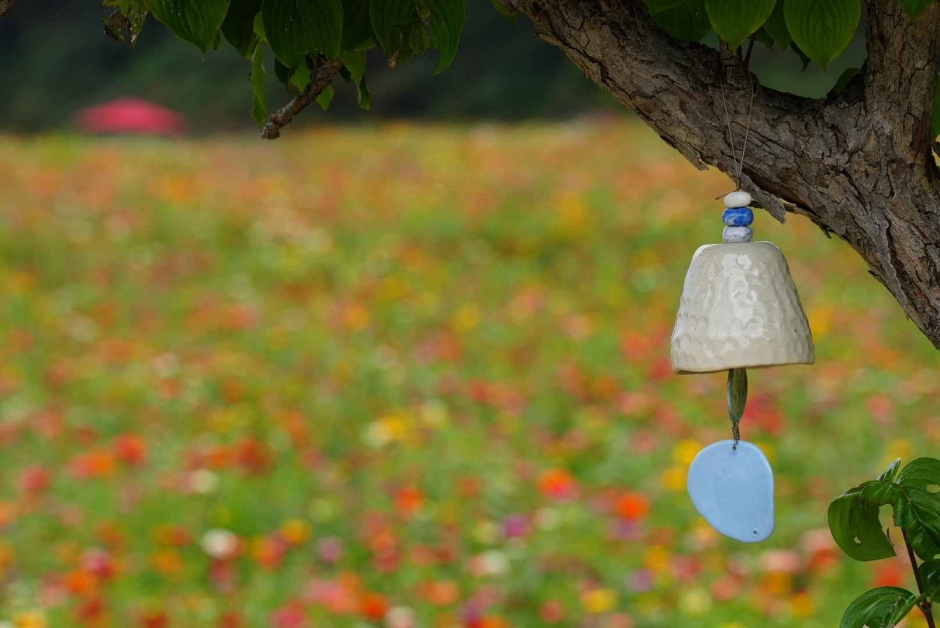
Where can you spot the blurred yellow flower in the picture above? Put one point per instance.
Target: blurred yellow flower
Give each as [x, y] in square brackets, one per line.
[388, 429]
[573, 215]
[29, 619]
[899, 448]
[778, 583]
[802, 605]
[355, 317]
[820, 319]
[167, 562]
[599, 600]
[657, 558]
[674, 478]
[467, 317]
[393, 288]
[20, 282]
[295, 531]
[685, 451]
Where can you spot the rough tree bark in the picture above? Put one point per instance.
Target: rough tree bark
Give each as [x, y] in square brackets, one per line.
[859, 165]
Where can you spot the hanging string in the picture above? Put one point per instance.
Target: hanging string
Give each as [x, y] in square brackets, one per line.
[747, 132]
[724, 104]
[737, 167]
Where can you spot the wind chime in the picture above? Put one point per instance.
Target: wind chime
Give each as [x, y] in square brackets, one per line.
[739, 310]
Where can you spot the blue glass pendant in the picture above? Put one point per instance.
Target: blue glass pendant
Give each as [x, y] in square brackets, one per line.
[733, 488]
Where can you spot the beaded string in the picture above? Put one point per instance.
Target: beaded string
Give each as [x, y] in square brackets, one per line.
[738, 216]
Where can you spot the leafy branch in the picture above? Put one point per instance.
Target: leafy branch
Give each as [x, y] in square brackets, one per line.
[320, 81]
[313, 41]
[856, 527]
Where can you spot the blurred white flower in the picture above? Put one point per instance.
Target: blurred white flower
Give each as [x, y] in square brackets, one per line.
[493, 563]
[204, 481]
[219, 543]
[400, 617]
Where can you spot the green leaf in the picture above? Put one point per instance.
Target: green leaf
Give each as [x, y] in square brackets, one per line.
[762, 37]
[259, 28]
[355, 62]
[296, 28]
[916, 503]
[282, 72]
[776, 26]
[195, 21]
[127, 20]
[419, 41]
[917, 506]
[802, 55]
[300, 78]
[922, 474]
[686, 21]
[914, 7]
[883, 607]
[856, 528]
[930, 576]
[892, 469]
[238, 27]
[735, 20]
[389, 17]
[936, 111]
[737, 394]
[357, 25]
[259, 103]
[445, 25]
[325, 97]
[822, 28]
[365, 98]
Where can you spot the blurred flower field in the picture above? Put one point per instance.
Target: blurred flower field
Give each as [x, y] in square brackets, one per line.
[410, 377]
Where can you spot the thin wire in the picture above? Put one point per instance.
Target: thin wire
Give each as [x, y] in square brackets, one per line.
[747, 131]
[734, 157]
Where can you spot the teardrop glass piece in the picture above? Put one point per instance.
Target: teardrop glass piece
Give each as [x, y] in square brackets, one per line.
[733, 488]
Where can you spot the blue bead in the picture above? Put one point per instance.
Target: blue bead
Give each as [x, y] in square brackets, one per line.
[738, 217]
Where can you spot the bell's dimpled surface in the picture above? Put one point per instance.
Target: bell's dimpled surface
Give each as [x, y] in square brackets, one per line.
[734, 490]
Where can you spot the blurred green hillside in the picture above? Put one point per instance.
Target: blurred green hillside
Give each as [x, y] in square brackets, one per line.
[55, 59]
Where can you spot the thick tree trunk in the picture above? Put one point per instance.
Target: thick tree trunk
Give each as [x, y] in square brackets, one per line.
[858, 165]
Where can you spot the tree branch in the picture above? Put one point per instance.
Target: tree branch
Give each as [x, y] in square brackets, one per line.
[857, 164]
[926, 606]
[900, 77]
[322, 77]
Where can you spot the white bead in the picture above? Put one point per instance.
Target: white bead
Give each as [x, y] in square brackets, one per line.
[737, 235]
[738, 199]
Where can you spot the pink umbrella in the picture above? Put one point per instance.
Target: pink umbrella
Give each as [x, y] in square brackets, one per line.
[131, 116]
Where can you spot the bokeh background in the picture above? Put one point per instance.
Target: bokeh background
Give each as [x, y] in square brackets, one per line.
[406, 368]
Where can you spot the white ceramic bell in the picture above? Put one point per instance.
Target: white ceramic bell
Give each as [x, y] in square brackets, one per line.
[739, 309]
